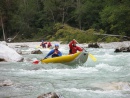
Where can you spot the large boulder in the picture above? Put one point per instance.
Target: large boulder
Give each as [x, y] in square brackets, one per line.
[36, 52]
[93, 45]
[8, 54]
[122, 49]
[3, 42]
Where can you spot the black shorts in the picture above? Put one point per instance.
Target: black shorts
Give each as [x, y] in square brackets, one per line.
[55, 55]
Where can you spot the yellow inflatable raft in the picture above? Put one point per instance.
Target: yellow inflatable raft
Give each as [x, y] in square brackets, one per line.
[77, 58]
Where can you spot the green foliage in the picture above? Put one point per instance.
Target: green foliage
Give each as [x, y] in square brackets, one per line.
[48, 19]
[115, 16]
[88, 13]
[66, 33]
[112, 39]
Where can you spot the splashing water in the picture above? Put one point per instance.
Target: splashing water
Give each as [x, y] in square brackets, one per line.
[108, 77]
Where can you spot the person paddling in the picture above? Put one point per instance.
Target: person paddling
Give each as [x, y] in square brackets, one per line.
[73, 47]
[43, 44]
[49, 45]
[54, 53]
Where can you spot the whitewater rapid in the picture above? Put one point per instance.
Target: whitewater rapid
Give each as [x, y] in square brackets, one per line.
[108, 77]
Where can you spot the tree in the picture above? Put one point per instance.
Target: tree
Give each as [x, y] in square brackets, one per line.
[59, 10]
[7, 8]
[115, 17]
[87, 13]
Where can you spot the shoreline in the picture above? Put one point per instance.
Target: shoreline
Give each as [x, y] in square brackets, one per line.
[102, 44]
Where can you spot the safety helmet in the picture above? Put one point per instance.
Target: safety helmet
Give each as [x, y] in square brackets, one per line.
[56, 45]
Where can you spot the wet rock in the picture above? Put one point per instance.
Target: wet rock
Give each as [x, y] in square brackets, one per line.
[122, 49]
[21, 60]
[3, 42]
[93, 45]
[117, 50]
[6, 83]
[115, 45]
[19, 51]
[8, 54]
[1, 59]
[28, 60]
[19, 46]
[49, 95]
[113, 86]
[36, 52]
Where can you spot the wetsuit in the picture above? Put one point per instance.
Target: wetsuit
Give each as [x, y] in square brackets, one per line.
[54, 53]
[43, 44]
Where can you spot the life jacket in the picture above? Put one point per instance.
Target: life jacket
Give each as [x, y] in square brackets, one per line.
[49, 45]
[56, 51]
[73, 49]
[55, 54]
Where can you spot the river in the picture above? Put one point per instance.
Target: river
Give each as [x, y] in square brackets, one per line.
[108, 77]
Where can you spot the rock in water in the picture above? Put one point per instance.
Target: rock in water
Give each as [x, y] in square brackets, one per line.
[6, 83]
[93, 45]
[122, 49]
[36, 52]
[49, 95]
[8, 54]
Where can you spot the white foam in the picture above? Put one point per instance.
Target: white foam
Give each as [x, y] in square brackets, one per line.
[59, 72]
[108, 67]
[75, 90]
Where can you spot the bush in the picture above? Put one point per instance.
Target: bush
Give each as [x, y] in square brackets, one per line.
[66, 33]
[112, 39]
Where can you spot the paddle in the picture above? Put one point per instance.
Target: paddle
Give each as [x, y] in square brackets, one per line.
[90, 55]
[38, 46]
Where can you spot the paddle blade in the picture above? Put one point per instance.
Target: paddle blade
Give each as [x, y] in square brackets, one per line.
[36, 62]
[92, 57]
[37, 46]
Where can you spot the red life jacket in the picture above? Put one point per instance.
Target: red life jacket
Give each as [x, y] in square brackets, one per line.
[73, 49]
[49, 45]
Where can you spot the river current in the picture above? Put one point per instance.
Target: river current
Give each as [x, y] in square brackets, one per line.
[108, 77]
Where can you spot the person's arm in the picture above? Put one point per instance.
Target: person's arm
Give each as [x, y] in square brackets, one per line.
[45, 42]
[41, 44]
[59, 53]
[79, 48]
[50, 44]
[51, 52]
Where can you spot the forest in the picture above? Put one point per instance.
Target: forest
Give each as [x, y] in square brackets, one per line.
[85, 20]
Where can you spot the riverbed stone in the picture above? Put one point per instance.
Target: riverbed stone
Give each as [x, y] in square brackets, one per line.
[19, 46]
[93, 45]
[49, 95]
[36, 52]
[6, 83]
[113, 86]
[122, 49]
